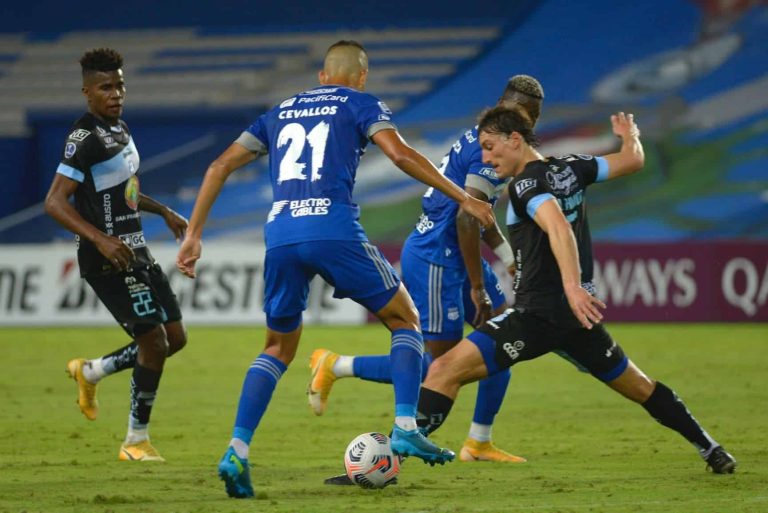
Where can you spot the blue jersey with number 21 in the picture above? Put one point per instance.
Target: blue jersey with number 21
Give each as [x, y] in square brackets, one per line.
[315, 140]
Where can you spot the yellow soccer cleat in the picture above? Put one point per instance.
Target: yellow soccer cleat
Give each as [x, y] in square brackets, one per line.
[86, 397]
[486, 451]
[141, 451]
[321, 364]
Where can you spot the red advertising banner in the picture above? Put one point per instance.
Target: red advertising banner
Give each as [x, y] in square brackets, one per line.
[692, 281]
[675, 282]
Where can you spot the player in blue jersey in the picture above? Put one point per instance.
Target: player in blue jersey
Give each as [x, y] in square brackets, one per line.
[315, 140]
[449, 281]
[99, 169]
[555, 305]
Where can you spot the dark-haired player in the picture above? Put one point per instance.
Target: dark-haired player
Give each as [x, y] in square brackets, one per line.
[99, 167]
[555, 307]
[315, 140]
[449, 281]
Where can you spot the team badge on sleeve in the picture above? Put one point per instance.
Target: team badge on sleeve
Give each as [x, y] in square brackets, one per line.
[69, 150]
[384, 108]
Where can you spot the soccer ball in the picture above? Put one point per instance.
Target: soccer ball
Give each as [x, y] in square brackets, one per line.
[370, 462]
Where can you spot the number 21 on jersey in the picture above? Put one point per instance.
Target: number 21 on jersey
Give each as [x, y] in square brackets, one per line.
[294, 134]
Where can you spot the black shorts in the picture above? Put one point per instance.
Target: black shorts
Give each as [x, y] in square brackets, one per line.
[516, 336]
[139, 300]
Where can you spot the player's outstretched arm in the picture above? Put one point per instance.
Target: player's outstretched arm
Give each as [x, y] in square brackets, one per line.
[630, 158]
[233, 158]
[419, 167]
[175, 221]
[563, 243]
[57, 206]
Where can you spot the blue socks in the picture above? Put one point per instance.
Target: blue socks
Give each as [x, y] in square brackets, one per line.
[490, 395]
[406, 361]
[378, 368]
[260, 382]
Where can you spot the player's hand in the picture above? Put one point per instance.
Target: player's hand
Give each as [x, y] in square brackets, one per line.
[119, 254]
[483, 306]
[584, 306]
[480, 210]
[176, 222]
[189, 254]
[624, 125]
[512, 270]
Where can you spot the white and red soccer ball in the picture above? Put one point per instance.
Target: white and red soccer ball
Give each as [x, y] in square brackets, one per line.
[370, 462]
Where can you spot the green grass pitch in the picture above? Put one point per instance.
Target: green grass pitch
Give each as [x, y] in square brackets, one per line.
[588, 449]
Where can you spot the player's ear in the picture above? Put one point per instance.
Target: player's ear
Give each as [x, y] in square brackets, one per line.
[363, 79]
[322, 77]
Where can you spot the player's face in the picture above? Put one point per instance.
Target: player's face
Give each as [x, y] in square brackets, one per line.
[105, 91]
[501, 151]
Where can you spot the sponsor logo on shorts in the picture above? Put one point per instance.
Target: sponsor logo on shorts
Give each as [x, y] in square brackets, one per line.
[453, 314]
[513, 348]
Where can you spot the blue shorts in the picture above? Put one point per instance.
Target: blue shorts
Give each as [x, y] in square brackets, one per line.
[441, 294]
[356, 269]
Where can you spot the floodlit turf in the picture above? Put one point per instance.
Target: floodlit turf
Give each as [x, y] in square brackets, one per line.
[588, 449]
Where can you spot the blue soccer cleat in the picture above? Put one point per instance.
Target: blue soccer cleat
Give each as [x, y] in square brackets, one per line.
[234, 471]
[414, 443]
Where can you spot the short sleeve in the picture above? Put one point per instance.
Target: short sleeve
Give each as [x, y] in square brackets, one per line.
[373, 115]
[255, 138]
[73, 163]
[527, 194]
[480, 176]
[588, 168]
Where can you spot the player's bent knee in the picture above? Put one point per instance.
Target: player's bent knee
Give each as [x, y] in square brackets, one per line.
[153, 344]
[633, 384]
[177, 337]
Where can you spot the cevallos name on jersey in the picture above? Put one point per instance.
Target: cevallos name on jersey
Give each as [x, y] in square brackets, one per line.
[327, 110]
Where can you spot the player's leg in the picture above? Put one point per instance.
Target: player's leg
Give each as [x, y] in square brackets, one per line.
[399, 315]
[596, 350]
[133, 301]
[497, 345]
[426, 284]
[359, 271]
[286, 283]
[490, 391]
[150, 358]
[87, 373]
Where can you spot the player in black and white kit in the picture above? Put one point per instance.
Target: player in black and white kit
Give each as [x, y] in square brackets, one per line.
[99, 167]
[555, 307]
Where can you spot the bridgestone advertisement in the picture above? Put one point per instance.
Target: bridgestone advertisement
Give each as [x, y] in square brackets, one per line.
[40, 285]
[697, 282]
